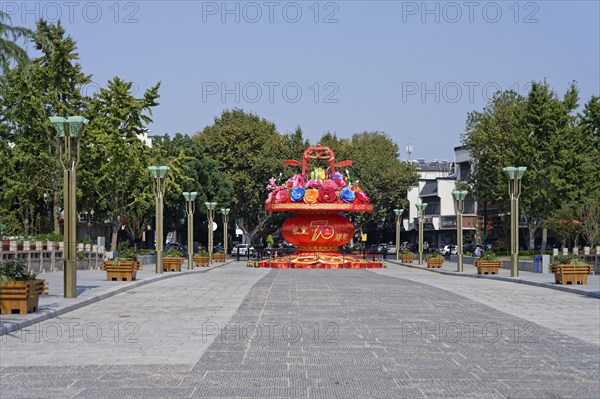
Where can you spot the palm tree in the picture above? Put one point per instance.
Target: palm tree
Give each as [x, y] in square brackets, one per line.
[9, 49]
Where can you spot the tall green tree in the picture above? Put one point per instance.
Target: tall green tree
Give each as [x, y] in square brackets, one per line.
[557, 153]
[114, 172]
[381, 174]
[50, 85]
[9, 48]
[490, 137]
[192, 170]
[249, 150]
[542, 132]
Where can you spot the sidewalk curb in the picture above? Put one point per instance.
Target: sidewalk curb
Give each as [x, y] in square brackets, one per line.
[49, 314]
[594, 294]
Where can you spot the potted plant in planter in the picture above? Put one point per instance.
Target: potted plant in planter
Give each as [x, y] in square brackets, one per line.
[570, 270]
[219, 256]
[19, 288]
[124, 266]
[434, 260]
[488, 263]
[407, 256]
[172, 260]
[201, 258]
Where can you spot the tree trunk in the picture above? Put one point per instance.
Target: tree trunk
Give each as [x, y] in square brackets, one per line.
[544, 241]
[532, 226]
[115, 235]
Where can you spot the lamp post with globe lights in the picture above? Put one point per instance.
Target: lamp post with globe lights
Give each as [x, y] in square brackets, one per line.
[515, 174]
[421, 214]
[459, 207]
[190, 199]
[69, 131]
[398, 213]
[210, 212]
[159, 173]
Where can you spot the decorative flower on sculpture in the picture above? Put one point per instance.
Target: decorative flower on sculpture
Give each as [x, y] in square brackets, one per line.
[347, 194]
[327, 195]
[298, 194]
[311, 196]
[318, 185]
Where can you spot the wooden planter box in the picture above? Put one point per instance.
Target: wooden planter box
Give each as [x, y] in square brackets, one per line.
[125, 270]
[435, 262]
[172, 264]
[219, 257]
[201, 261]
[570, 274]
[488, 266]
[407, 258]
[21, 297]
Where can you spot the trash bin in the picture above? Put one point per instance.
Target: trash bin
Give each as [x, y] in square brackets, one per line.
[537, 263]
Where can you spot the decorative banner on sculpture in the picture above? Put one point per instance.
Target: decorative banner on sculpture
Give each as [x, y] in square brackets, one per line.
[317, 230]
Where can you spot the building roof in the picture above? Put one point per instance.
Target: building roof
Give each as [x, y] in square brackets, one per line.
[430, 189]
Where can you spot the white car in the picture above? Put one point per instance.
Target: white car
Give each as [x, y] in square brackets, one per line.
[244, 250]
[449, 250]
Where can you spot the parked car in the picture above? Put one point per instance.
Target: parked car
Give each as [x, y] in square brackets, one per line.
[243, 250]
[391, 250]
[377, 249]
[176, 245]
[449, 249]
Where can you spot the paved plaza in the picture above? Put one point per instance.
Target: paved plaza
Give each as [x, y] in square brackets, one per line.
[234, 331]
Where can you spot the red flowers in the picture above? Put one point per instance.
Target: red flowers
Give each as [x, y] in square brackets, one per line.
[327, 194]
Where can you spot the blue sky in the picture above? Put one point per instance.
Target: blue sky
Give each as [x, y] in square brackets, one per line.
[411, 69]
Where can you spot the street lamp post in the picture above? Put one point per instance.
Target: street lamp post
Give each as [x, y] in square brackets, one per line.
[69, 130]
[225, 213]
[210, 212]
[515, 174]
[190, 199]
[459, 207]
[159, 173]
[398, 213]
[421, 214]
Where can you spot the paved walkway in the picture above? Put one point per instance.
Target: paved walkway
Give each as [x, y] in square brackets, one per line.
[592, 288]
[245, 332]
[92, 286]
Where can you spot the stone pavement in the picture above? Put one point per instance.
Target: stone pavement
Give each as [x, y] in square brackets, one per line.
[592, 288]
[244, 332]
[92, 286]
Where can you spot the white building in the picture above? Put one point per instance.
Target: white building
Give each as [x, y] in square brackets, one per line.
[436, 183]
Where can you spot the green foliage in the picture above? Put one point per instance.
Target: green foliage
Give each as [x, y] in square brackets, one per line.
[55, 237]
[569, 260]
[192, 169]
[541, 132]
[124, 252]
[563, 224]
[490, 137]
[377, 166]
[488, 255]
[249, 150]
[49, 85]
[434, 256]
[406, 251]
[9, 49]
[173, 252]
[15, 270]
[588, 212]
[114, 174]
[202, 253]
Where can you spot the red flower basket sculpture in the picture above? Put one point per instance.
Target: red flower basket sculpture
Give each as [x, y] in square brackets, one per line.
[318, 230]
